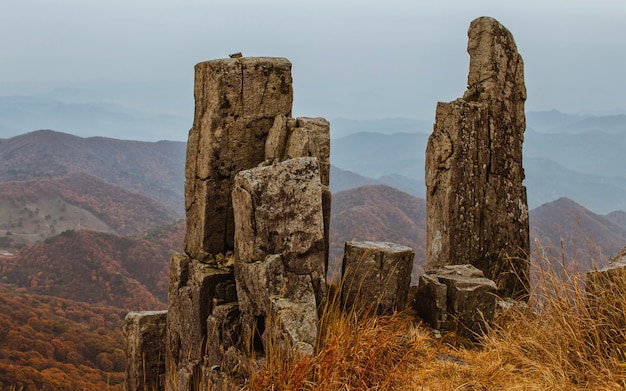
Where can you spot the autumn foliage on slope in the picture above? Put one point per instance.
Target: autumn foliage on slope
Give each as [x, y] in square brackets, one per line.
[123, 212]
[50, 343]
[155, 170]
[94, 267]
[565, 230]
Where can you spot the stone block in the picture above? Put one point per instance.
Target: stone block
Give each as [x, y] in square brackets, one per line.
[456, 298]
[278, 210]
[378, 274]
[145, 350]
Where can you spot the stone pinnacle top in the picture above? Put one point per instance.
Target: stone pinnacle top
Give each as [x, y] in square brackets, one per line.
[496, 69]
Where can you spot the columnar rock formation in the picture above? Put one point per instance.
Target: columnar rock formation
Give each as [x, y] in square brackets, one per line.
[237, 101]
[280, 253]
[258, 209]
[476, 204]
[252, 275]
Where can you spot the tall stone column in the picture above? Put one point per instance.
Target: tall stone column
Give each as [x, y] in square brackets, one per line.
[243, 124]
[477, 211]
[237, 101]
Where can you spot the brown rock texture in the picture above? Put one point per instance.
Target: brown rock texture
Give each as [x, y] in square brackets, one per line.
[280, 250]
[456, 298]
[194, 290]
[376, 276]
[145, 350]
[477, 211]
[237, 101]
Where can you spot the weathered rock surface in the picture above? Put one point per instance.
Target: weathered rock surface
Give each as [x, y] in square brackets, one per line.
[456, 298]
[194, 289]
[237, 101]
[280, 250]
[376, 276]
[145, 350]
[250, 165]
[476, 204]
[291, 138]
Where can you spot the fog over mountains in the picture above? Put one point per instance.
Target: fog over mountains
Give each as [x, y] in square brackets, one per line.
[565, 155]
[129, 111]
[579, 157]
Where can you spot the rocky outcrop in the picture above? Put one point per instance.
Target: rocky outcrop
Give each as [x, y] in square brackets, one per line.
[456, 298]
[237, 101]
[280, 251]
[258, 210]
[145, 350]
[476, 203]
[292, 138]
[376, 277]
[195, 289]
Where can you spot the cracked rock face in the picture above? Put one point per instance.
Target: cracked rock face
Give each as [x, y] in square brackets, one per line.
[280, 250]
[477, 211]
[237, 100]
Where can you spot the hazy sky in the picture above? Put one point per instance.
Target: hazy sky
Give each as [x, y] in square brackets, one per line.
[354, 59]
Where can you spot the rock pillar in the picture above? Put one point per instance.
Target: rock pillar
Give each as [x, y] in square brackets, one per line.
[250, 162]
[237, 100]
[376, 276]
[477, 211]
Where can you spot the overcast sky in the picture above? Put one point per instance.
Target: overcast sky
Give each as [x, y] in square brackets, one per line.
[354, 59]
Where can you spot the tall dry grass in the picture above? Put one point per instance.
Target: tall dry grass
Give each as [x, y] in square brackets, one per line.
[568, 337]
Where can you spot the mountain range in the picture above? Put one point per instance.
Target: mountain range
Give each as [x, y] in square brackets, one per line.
[153, 169]
[579, 157]
[90, 223]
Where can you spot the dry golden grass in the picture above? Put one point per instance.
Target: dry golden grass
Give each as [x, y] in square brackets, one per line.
[565, 339]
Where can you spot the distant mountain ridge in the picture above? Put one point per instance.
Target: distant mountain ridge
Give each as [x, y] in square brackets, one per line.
[583, 161]
[586, 237]
[383, 213]
[377, 213]
[21, 113]
[155, 170]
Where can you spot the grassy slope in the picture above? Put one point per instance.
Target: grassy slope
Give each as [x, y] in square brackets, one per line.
[561, 344]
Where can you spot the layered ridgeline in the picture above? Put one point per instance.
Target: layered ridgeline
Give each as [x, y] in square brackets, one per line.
[63, 301]
[564, 156]
[152, 169]
[55, 187]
